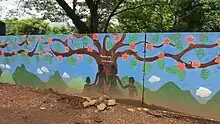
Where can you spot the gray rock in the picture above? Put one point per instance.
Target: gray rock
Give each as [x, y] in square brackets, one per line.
[101, 107]
[92, 102]
[111, 102]
[86, 104]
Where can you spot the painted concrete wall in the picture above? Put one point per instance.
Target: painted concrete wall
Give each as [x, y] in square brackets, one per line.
[182, 69]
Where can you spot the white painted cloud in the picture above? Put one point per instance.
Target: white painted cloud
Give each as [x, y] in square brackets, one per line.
[65, 75]
[154, 79]
[7, 66]
[203, 92]
[2, 66]
[39, 71]
[44, 69]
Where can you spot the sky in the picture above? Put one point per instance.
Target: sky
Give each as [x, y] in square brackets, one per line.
[7, 5]
[156, 78]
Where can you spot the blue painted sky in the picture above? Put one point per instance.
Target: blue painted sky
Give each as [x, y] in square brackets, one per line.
[82, 69]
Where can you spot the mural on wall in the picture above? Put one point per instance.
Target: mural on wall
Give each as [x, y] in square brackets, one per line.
[180, 67]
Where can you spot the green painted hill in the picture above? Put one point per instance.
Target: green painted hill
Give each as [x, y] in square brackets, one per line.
[76, 84]
[6, 77]
[55, 82]
[170, 92]
[214, 101]
[23, 77]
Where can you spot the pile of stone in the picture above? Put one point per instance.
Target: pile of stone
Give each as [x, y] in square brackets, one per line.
[101, 102]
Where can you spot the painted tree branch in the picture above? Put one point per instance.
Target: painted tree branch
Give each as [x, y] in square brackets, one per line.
[115, 47]
[194, 46]
[30, 54]
[104, 43]
[4, 45]
[96, 42]
[70, 51]
[94, 54]
[176, 57]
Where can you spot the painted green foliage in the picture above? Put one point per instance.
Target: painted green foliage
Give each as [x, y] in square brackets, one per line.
[179, 45]
[203, 38]
[109, 44]
[71, 60]
[132, 38]
[133, 63]
[174, 37]
[174, 71]
[161, 64]
[48, 58]
[147, 68]
[201, 53]
[205, 73]
[85, 41]
[155, 38]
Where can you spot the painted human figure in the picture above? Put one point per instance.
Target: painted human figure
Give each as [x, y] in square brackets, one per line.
[113, 81]
[131, 87]
[100, 79]
[87, 86]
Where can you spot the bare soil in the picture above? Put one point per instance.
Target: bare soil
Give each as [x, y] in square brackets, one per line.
[23, 105]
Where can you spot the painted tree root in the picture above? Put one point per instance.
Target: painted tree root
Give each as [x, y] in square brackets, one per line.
[101, 102]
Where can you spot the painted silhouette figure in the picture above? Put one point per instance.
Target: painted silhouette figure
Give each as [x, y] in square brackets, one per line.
[113, 81]
[87, 86]
[100, 79]
[131, 87]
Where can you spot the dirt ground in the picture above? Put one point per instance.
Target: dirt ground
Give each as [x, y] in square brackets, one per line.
[19, 105]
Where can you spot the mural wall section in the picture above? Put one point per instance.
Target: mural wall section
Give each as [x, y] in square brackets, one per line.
[181, 70]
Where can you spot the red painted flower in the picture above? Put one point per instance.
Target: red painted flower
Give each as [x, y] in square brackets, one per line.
[17, 43]
[47, 50]
[60, 58]
[90, 49]
[67, 49]
[190, 39]
[49, 40]
[70, 37]
[2, 53]
[116, 38]
[125, 56]
[15, 52]
[132, 46]
[8, 43]
[95, 36]
[41, 53]
[218, 42]
[217, 59]
[80, 57]
[26, 51]
[166, 41]
[181, 66]
[161, 55]
[149, 47]
[38, 38]
[196, 64]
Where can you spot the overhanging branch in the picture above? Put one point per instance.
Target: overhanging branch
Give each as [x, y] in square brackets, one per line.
[80, 25]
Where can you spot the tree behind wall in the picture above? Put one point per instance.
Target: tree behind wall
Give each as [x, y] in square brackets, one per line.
[92, 16]
[33, 26]
[2, 28]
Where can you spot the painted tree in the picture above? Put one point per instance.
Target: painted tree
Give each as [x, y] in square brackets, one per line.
[108, 52]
